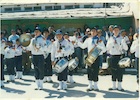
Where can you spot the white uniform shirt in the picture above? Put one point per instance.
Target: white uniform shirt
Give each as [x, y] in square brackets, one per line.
[18, 50]
[2, 46]
[74, 38]
[135, 48]
[126, 39]
[88, 44]
[64, 52]
[48, 48]
[13, 38]
[71, 48]
[9, 52]
[118, 47]
[38, 42]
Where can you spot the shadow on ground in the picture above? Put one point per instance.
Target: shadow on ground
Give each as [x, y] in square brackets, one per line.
[11, 90]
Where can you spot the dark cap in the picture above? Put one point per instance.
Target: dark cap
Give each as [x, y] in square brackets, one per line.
[123, 30]
[94, 28]
[111, 26]
[66, 33]
[45, 30]
[10, 42]
[116, 26]
[37, 28]
[130, 34]
[58, 31]
[13, 30]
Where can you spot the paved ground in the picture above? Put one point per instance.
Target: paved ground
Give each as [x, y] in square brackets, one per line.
[24, 89]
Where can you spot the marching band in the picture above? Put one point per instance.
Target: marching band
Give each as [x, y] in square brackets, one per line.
[53, 51]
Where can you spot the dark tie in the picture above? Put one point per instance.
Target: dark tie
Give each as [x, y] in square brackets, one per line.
[94, 38]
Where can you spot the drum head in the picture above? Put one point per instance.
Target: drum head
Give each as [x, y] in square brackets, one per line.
[71, 62]
[61, 65]
[125, 62]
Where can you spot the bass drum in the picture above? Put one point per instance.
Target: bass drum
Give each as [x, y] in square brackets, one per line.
[73, 63]
[124, 62]
[60, 65]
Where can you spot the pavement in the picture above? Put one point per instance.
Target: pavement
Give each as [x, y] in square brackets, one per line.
[24, 89]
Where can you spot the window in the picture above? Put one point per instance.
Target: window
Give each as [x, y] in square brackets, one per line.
[76, 6]
[69, 7]
[48, 7]
[8, 9]
[28, 8]
[17, 9]
[37, 8]
[57, 7]
[88, 6]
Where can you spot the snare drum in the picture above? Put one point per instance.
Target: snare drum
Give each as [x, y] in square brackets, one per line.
[73, 63]
[60, 65]
[124, 62]
[92, 56]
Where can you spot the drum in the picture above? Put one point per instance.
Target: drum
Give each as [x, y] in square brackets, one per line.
[60, 65]
[92, 56]
[124, 62]
[73, 63]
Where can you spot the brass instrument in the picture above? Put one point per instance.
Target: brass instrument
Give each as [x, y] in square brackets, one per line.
[25, 40]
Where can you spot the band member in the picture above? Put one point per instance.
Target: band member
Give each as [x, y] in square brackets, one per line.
[85, 51]
[9, 54]
[77, 49]
[110, 32]
[60, 49]
[18, 59]
[47, 55]
[37, 48]
[13, 37]
[101, 38]
[26, 55]
[52, 33]
[135, 49]
[2, 46]
[93, 70]
[70, 73]
[115, 46]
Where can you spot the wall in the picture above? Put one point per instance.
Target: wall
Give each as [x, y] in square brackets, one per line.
[66, 24]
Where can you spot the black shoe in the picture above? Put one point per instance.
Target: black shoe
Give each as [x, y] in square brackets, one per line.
[65, 89]
[120, 89]
[111, 89]
[2, 86]
[13, 81]
[59, 89]
[50, 81]
[45, 81]
[40, 89]
[89, 89]
[96, 89]
[9, 81]
[36, 89]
